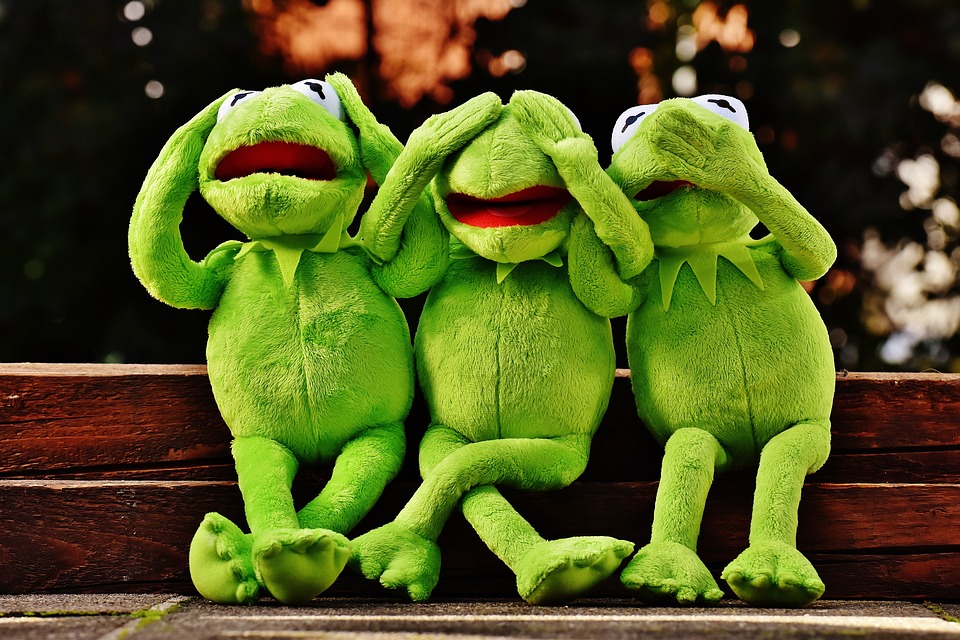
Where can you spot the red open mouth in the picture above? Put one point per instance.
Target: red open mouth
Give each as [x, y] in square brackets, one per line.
[525, 207]
[285, 158]
[660, 188]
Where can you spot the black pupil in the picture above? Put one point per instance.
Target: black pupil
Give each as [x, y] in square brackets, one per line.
[317, 87]
[632, 119]
[723, 104]
[240, 96]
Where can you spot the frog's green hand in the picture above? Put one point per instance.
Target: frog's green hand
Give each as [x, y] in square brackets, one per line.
[554, 129]
[156, 248]
[594, 276]
[724, 157]
[379, 148]
[428, 147]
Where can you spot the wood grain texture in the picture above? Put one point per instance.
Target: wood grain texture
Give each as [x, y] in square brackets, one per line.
[108, 469]
[134, 535]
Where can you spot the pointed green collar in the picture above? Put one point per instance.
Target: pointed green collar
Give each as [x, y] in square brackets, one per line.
[289, 248]
[459, 251]
[702, 259]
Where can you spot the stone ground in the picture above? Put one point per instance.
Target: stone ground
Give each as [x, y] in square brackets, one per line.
[152, 617]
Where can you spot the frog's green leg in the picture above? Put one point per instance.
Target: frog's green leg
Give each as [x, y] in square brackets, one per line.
[362, 470]
[551, 126]
[771, 572]
[548, 571]
[668, 567]
[221, 562]
[156, 248]
[404, 553]
[594, 276]
[294, 564]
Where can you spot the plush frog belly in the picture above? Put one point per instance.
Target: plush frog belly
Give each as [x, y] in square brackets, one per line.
[730, 360]
[309, 357]
[516, 371]
[539, 364]
[325, 358]
[725, 367]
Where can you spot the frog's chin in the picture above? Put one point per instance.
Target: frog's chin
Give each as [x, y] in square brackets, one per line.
[530, 206]
[660, 188]
[277, 157]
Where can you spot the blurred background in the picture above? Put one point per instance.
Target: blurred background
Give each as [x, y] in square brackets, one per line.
[853, 103]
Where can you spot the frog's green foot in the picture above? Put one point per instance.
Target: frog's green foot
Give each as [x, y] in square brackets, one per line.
[221, 564]
[556, 571]
[399, 558]
[773, 574]
[296, 565]
[666, 571]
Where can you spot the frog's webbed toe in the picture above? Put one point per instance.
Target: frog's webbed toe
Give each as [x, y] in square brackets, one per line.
[773, 574]
[399, 558]
[221, 564]
[556, 571]
[668, 571]
[296, 565]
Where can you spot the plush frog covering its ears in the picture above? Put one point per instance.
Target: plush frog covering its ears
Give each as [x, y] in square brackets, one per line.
[729, 359]
[516, 371]
[308, 355]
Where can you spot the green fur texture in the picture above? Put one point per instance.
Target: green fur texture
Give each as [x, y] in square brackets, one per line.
[308, 355]
[730, 361]
[515, 370]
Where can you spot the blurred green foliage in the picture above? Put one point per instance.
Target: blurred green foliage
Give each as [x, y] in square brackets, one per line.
[79, 131]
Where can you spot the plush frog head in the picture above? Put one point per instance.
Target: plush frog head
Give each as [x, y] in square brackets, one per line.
[651, 143]
[502, 197]
[283, 161]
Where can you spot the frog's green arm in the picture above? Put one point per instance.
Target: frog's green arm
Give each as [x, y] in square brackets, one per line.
[726, 158]
[808, 251]
[428, 146]
[552, 128]
[594, 276]
[156, 248]
[379, 148]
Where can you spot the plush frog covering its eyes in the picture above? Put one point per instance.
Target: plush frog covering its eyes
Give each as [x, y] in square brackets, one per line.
[308, 354]
[730, 361]
[516, 371]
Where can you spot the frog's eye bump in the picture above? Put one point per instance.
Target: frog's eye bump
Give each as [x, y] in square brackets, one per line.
[323, 94]
[726, 106]
[628, 122]
[233, 101]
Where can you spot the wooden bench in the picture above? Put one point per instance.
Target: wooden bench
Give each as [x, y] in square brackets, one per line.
[106, 471]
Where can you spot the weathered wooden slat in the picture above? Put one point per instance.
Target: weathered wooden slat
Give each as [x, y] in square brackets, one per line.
[84, 419]
[134, 535]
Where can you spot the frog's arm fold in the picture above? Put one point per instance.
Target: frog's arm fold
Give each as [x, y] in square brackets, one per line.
[156, 248]
[401, 228]
[552, 127]
[726, 158]
[403, 188]
[808, 250]
[379, 148]
[594, 276]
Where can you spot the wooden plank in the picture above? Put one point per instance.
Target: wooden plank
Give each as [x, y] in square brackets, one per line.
[90, 419]
[134, 535]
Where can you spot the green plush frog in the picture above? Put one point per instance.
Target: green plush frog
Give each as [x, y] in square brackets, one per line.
[730, 361]
[516, 371]
[308, 354]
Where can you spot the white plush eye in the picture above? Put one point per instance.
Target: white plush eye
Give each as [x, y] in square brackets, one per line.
[574, 117]
[233, 102]
[728, 107]
[628, 122]
[323, 94]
